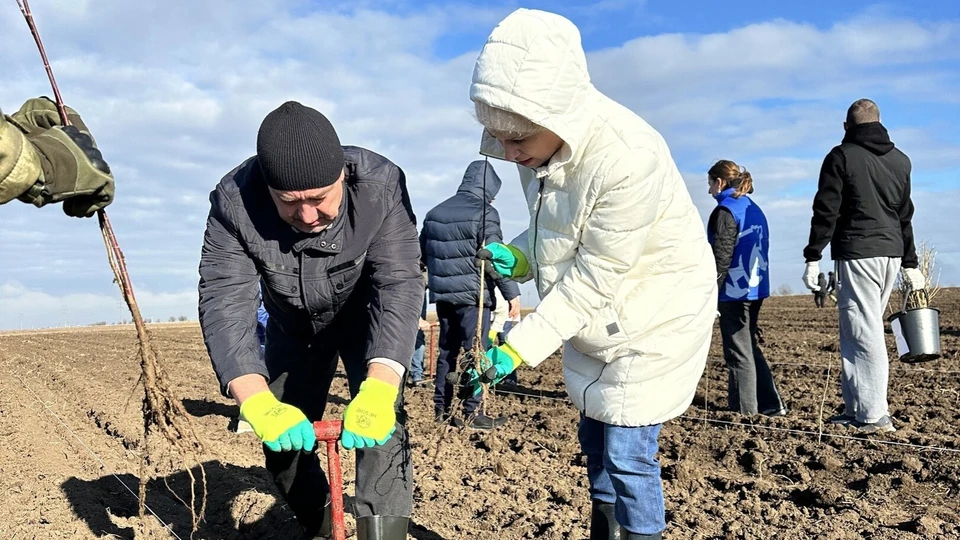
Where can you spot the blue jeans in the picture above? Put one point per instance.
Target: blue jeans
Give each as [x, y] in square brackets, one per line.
[623, 471]
[416, 364]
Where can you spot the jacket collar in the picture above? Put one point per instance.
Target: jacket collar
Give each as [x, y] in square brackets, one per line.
[329, 240]
[725, 194]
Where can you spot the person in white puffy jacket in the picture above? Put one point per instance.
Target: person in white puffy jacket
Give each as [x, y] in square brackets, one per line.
[618, 252]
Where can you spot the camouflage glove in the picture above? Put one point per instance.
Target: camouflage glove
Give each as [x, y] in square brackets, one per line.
[73, 168]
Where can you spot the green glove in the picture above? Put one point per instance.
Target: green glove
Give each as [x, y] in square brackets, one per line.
[507, 260]
[503, 361]
[73, 168]
[370, 420]
[492, 339]
[281, 427]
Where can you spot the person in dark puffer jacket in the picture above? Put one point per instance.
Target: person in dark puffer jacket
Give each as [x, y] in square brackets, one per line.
[863, 210]
[738, 231]
[451, 236]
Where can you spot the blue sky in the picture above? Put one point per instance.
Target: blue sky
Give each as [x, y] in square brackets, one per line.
[175, 91]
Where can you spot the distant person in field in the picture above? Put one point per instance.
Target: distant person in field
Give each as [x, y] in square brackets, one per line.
[329, 232]
[832, 286]
[863, 210]
[451, 236]
[505, 315]
[738, 231]
[618, 254]
[44, 162]
[820, 294]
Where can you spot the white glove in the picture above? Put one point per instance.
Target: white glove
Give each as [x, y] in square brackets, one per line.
[914, 279]
[811, 274]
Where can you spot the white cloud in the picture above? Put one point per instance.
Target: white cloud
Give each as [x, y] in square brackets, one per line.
[174, 93]
[24, 307]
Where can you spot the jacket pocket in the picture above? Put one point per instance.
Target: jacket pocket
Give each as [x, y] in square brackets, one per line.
[282, 283]
[344, 276]
[602, 337]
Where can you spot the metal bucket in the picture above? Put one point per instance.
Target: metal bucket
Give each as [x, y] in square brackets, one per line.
[918, 334]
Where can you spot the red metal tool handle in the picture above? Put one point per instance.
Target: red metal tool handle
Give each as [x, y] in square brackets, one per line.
[328, 431]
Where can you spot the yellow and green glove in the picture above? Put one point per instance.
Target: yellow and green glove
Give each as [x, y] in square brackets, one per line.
[507, 260]
[492, 338]
[370, 420]
[503, 361]
[281, 427]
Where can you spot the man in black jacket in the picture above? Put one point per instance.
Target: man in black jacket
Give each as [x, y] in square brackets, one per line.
[330, 233]
[453, 232]
[863, 210]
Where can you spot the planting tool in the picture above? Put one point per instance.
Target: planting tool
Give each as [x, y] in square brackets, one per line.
[329, 432]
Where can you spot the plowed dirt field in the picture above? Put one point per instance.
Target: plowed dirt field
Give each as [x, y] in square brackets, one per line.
[70, 431]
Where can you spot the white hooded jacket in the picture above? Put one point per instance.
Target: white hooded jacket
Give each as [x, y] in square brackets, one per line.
[617, 248]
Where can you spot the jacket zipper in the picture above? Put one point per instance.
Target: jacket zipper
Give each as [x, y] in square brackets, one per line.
[533, 253]
[591, 384]
[303, 296]
[536, 225]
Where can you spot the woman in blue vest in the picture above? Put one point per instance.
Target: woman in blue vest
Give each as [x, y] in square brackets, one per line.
[740, 237]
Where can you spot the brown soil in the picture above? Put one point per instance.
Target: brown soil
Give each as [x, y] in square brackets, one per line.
[722, 480]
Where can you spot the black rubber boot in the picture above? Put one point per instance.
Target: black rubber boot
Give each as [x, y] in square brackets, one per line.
[324, 531]
[382, 528]
[603, 525]
[625, 535]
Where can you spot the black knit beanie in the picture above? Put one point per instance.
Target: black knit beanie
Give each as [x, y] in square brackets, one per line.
[298, 149]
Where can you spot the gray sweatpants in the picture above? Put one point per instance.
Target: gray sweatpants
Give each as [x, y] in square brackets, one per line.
[864, 287]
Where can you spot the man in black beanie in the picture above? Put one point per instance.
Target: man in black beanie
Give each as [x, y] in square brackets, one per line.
[330, 233]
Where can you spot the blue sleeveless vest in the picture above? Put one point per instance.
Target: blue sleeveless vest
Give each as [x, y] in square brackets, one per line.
[749, 276]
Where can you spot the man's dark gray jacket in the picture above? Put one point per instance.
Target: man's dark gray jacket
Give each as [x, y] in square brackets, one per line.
[365, 267]
[451, 236]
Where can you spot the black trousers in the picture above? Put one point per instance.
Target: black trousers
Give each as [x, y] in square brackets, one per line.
[301, 372]
[750, 386]
[458, 326]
